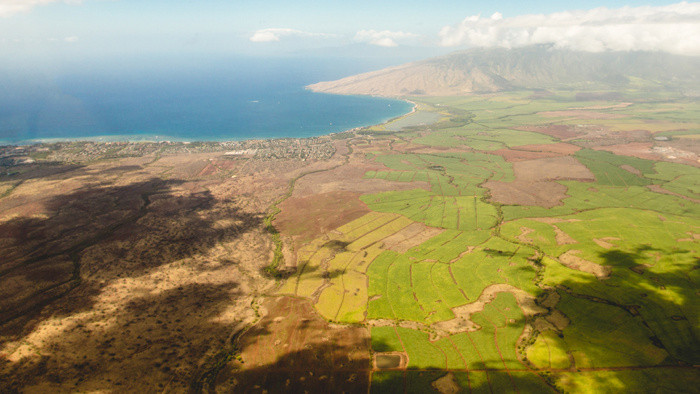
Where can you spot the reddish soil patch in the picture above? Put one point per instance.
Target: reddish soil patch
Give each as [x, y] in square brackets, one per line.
[554, 168]
[292, 349]
[544, 194]
[685, 144]
[562, 237]
[350, 178]
[309, 216]
[534, 181]
[642, 150]
[512, 155]
[560, 148]
[532, 152]
[557, 131]
[581, 114]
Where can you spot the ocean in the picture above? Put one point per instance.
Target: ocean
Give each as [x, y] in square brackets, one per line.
[225, 99]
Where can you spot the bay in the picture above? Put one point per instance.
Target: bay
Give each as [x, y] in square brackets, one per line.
[223, 99]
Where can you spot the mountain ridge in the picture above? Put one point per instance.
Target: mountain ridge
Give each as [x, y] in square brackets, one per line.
[490, 70]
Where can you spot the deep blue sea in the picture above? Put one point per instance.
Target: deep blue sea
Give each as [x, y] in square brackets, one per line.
[226, 99]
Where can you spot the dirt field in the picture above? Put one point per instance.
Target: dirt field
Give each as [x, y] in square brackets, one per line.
[349, 178]
[556, 168]
[544, 194]
[562, 132]
[533, 152]
[580, 114]
[643, 150]
[673, 151]
[534, 181]
[304, 218]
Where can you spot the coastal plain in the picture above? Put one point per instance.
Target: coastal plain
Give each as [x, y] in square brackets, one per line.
[503, 242]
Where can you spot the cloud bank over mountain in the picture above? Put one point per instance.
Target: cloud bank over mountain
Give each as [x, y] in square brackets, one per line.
[673, 28]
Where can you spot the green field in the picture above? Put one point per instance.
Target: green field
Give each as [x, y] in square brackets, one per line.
[596, 294]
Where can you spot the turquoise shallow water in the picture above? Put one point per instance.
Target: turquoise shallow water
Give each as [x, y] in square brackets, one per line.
[242, 99]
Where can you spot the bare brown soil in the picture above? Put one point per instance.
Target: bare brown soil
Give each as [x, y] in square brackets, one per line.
[291, 349]
[523, 236]
[308, 216]
[555, 168]
[561, 132]
[600, 136]
[642, 150]
[573, 261]
[534, 181]
[605, 242]
[581, 114]
[691, 145]
[132, 275]
[544, 194]
[561, 148]
[350, 178]
[563, 238]
[515, 155]
[685, 152]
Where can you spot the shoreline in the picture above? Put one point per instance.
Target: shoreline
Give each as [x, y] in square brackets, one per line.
[155, 139]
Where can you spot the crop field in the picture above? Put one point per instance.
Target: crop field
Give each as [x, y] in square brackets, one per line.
[467, 294]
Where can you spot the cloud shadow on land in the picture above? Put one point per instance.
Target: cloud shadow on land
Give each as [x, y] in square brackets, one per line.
[96, 235]
[155, 341]
[651, 289]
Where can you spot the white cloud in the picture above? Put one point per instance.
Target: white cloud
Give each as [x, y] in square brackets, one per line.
[384, 38]
[11, 7]
[674, 28]
[276, 34]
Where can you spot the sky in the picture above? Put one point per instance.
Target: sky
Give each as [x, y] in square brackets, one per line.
[54, 32]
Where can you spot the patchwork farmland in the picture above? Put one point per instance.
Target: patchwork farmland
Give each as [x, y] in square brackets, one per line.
[527, 256]
[511, 242]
